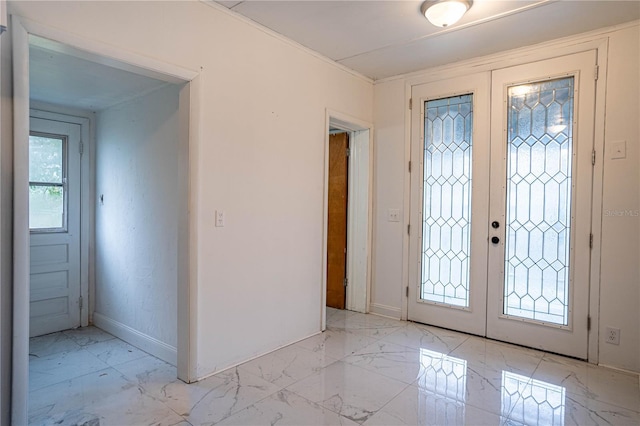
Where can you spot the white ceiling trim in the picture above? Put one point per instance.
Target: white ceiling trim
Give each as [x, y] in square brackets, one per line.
[284, 39]
[513, 54]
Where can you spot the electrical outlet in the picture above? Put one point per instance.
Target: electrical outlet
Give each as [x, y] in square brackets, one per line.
[613, 336]
[219, 218]
[393, 215]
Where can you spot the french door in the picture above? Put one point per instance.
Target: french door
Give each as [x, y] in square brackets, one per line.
[501, 203]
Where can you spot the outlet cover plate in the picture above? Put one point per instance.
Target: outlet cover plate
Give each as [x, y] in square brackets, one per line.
[612, 335]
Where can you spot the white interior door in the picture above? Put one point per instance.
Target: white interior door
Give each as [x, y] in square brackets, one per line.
[501, 202]
[449, 203]
[54, 222]
[541, 187]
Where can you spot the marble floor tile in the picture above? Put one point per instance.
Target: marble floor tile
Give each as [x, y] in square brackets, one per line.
[149, 373]
[364, 370]
[416, 407]
[391, 360]
[130, 406]
[114, 352]
[288, 365]
[336, 343]
[62, 366]
[348, 390]
[337, 316]
[70, 395]
[420, 336]
[50, 344]
[286, 408]
[87, 335]
[498, 356]
[218, 397]
[370, 325]
[583, 411]
[587, 380]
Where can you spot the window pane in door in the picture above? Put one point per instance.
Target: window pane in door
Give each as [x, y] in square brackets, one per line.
[538, 216]
[46, 207]
[447, 200]
[45, 159]
[47, 182]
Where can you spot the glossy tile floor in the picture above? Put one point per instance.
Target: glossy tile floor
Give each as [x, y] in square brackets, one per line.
[363, 370]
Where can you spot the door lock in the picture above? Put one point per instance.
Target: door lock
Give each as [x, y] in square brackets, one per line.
[495, 240]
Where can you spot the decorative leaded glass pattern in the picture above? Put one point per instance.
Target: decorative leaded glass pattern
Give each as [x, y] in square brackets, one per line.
[447, 200]
[538, 207]
[539, 403]
[442, 386]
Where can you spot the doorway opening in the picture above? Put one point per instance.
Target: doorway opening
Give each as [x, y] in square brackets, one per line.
[348, 214]
[155, 110]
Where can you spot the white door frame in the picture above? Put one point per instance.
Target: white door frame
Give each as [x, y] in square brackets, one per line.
[518, 57]
[359, 210]
[189, 122]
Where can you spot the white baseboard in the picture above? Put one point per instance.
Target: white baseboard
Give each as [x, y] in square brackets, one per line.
[140, 340]
[385, 311]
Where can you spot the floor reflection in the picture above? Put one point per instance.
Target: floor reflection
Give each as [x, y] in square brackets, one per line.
[442, 385]
[538, 403]
[443, 388]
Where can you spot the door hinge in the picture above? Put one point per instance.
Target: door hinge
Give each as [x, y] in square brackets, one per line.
[596, 72]
[348, 152]
[409, 229]
[410, 103]
[81, 148]
[590, 240]
[409, 166]
[346, 281]
[406, 293]
[588, 323]
[593, 157]
[80, 302]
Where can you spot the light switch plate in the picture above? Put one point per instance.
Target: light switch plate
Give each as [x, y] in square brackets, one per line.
[618, 150]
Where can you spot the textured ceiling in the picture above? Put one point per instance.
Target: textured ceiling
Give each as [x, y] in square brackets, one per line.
[385, 38]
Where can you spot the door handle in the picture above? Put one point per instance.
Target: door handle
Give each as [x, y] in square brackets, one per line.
[495, 240]
[495, 224]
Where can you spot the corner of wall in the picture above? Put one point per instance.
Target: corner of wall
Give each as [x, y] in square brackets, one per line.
[6, 213]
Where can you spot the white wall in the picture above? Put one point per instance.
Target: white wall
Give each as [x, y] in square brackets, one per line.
[389, 174]
[620, 279]
[136, 223]
[260, 158]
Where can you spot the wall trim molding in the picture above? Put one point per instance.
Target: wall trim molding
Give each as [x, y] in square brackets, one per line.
[516, 56]
[385, 311]
[142, 341]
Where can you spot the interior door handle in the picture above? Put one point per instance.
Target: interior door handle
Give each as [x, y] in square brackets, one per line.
[495, 224]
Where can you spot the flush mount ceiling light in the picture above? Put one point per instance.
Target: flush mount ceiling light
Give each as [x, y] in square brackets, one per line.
[443, 13]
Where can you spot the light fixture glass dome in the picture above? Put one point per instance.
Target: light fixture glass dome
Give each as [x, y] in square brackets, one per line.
[443, 13]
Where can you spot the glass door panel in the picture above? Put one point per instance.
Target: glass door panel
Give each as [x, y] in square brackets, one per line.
[449, 203]
[538, 216]
[447, 200]
[541, 174]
